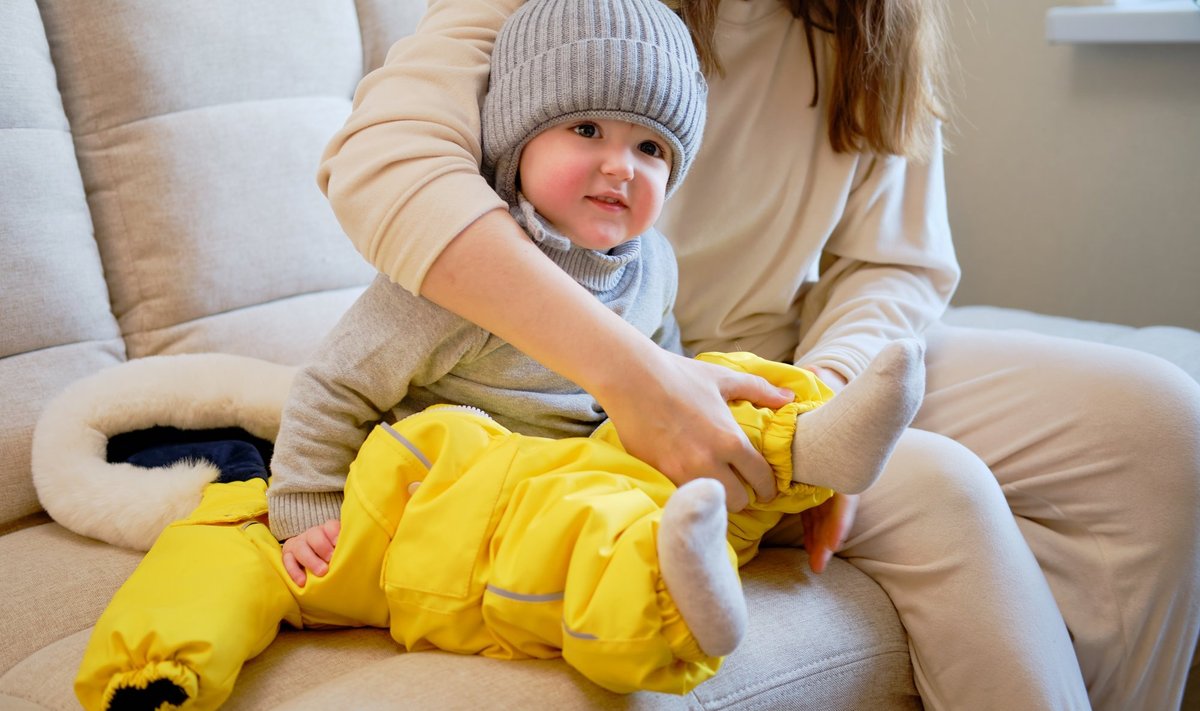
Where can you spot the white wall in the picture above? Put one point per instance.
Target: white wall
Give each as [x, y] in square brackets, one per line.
[1074, 177]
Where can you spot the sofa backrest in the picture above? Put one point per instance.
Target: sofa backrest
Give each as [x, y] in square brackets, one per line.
[157, 187]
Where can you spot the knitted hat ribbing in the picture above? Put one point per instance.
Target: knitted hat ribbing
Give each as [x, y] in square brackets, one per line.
[563, 60]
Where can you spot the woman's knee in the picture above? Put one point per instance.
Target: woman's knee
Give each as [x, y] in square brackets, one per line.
[938, 508]
[1154, 408]
[1163, 396]
[943, 470]
[1132, 443]
[1044, 411]
[932, 478]
[1168, 427]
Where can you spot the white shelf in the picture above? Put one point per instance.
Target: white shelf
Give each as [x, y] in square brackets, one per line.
[1162, 21]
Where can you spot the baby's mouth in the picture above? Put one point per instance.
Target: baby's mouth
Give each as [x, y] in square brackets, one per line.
[607, 201]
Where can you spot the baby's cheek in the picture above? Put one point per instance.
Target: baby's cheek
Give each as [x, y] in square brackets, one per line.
[649, 207]
[561, 183]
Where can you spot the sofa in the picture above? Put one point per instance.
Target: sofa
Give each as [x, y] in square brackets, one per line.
[157, 197]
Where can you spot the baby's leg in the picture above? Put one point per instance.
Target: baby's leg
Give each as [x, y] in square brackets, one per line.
[201, 603]
[696, 569]
[844, 444]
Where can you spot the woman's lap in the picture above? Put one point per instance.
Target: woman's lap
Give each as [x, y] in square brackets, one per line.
[1096, 451]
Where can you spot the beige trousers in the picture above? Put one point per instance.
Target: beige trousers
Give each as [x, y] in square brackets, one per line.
[1060, 482]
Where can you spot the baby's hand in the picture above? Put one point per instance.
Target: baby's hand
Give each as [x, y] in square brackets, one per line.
[311, 550]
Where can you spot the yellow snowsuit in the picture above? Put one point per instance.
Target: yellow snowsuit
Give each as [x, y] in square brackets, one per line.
[456, 534]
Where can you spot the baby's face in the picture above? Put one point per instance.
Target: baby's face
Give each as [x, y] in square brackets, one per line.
[600, 182]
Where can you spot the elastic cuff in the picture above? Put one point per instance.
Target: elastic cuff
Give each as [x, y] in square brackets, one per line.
[293, 514]
[778, 438]
[675, 631]
[152, 686]
[778, 435]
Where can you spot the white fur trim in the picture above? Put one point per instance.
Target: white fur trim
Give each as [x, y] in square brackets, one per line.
[127, 505]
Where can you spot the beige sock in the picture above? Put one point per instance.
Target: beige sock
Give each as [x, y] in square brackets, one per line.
[696, 569]
[844, 444]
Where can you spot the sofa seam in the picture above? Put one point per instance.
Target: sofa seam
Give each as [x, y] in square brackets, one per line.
[100, 131]
[20, 695]
[160, 330]
[39, 129]
[846, 670]
[740, 694]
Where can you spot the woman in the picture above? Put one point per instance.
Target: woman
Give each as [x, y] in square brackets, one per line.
[1046, 481]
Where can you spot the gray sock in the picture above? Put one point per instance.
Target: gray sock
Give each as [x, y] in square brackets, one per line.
[695, 566]
[844, 444]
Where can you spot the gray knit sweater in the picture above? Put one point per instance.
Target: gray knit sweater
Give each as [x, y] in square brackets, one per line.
[394, 354]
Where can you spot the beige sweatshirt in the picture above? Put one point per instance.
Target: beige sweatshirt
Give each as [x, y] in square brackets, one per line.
[766, 197]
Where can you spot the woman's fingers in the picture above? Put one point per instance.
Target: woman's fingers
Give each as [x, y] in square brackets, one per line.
[673, 413]
[749, 466]
[744, 386]
[735, 455]
[736, 498]
[826, 528]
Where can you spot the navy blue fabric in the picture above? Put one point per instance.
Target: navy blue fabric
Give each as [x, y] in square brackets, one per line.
[238, 454]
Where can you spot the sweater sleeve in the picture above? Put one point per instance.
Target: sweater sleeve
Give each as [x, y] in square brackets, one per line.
[388, 340]
[889, 269]
[402, 175]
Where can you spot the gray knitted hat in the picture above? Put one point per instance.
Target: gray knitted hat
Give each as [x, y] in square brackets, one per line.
[564, 60]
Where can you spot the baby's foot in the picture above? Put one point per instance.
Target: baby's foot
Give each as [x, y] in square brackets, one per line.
[695, 566]
[844, 444]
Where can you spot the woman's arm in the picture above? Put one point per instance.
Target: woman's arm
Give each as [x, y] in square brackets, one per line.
[402, 175]
[891, 269]
[892, 273]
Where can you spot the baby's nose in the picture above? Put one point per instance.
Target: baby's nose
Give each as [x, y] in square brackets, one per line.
[618, 163]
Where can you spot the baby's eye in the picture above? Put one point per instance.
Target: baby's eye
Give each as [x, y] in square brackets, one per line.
[587, 130]
[651, 148]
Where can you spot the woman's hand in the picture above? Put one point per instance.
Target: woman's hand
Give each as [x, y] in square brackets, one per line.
[311, 550]
[673, 413]
[826, 527]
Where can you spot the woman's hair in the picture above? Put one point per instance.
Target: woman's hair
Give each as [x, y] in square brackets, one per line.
[888, 80]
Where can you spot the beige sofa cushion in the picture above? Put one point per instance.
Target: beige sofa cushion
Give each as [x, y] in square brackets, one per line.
[200, 173]
[856, 655]
[58, 584]
[55, 324]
